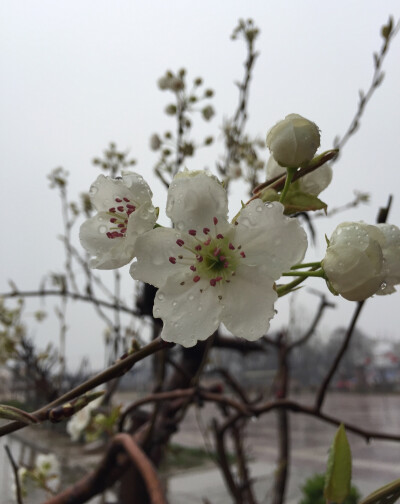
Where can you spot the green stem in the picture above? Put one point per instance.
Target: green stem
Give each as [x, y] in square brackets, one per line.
[287, 288]
[289, 176]
[305, 274]
[306, 265]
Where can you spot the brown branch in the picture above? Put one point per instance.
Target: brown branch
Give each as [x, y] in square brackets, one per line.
[18, 492]
[145, 467]
[72, 295]
[310, 411]
[325, 384]
[323, 305]
[121, 367]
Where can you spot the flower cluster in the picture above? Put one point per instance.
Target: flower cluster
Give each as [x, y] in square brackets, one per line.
[362, 260]
[207, 269]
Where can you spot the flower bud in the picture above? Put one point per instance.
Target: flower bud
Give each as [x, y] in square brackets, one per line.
[353, 262]
[293, 141]
[312, 183]
[391, 258]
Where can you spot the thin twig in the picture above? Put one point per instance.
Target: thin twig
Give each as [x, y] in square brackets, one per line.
[18, 492]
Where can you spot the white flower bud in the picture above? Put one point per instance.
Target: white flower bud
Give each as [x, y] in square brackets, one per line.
[312, 183]
[391, 258]
[293, 141]
[353, 262]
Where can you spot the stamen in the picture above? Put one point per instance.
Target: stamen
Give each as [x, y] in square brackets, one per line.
[180, 242]
[118, 200]
[120, 209]
[222, 258]
[243, 254]
[192, 232]
[199, 258]
[196, 278]
[206, 231]
[113, 210]
[113, 219]
[220, 236]
[215, 221]
[207, 242]
[127, 200]
[231, 246]
[193, 268]
[172, 260]
[216, 251]
[197, 247]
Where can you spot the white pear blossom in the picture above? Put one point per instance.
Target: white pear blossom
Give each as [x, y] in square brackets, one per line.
[391, 258]
[125, 211]
[312, 183]
[354, 260]
[49, 467]
[293, 141]
[209, 270]
[81, 419]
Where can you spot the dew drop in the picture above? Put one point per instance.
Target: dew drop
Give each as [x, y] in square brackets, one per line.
[191, 297]
[180, 225]
[102, 229]
[383, 285]
[93, 190]
[259, 208]
[160, 296]
[199, 308]
[174, 303]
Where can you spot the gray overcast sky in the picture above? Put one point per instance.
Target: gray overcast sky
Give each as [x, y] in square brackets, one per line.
[76, 75]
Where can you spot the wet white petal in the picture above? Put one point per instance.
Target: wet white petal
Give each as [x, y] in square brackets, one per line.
[248, 303]
[391, 258]
[194, 199]
[191, 312]
[153, 252]
[270, 238]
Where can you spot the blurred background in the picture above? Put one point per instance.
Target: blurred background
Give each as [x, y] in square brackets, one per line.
[77, 75]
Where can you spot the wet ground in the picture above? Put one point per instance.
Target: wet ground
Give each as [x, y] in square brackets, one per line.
[374, 464]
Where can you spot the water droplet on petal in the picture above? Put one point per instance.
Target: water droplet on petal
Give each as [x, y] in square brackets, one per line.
[383, 286]
[259, 208]
[102, 229]
[180, 225]
[191, 297]
[160, 296]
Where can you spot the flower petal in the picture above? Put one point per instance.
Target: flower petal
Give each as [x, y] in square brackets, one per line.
[194, 199]
[108, 254]
[105, 190]
[248, 302]
[153, 251]
[270, 238]
[391, 255]
[190, 312]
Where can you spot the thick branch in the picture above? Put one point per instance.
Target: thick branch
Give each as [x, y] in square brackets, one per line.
[117, 369]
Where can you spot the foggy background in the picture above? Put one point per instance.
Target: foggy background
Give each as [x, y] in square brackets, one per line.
[77, 75]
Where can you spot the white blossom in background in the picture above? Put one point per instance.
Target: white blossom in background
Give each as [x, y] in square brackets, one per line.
[49, 467]
[312, 183]
[81, 419]
[293, 141]
[354, 260]
[209, 270]
[391, 258]
[125, 211]
[78, 423]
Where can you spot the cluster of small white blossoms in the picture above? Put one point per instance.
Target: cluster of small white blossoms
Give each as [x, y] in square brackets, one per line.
[362, 260]
[207, 269]
[46, 473]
